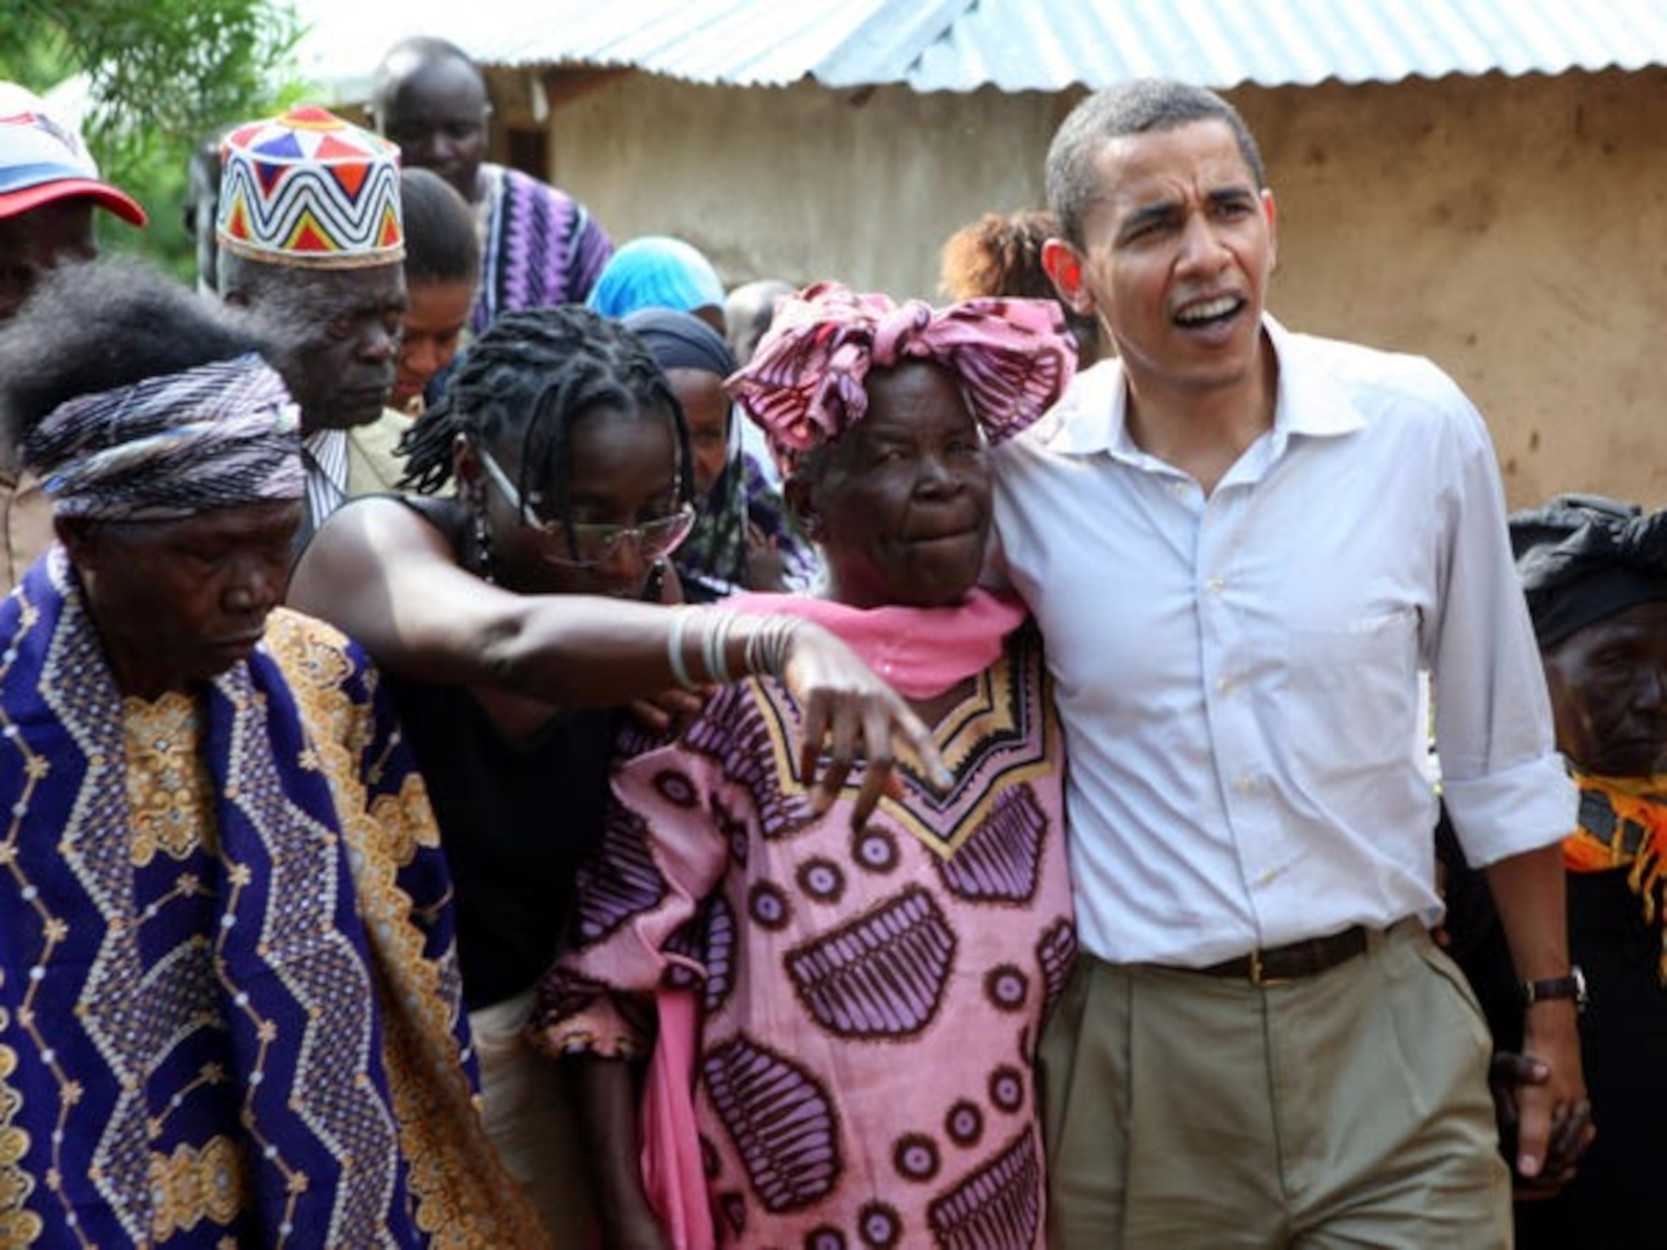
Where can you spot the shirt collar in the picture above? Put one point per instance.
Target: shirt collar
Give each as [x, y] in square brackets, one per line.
[1092, 417]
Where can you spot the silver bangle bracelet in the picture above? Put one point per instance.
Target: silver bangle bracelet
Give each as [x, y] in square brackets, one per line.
[674, 649]
[714, 643]
[769, 644]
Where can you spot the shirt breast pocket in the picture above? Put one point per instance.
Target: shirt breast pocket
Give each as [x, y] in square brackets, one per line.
[1348, 695]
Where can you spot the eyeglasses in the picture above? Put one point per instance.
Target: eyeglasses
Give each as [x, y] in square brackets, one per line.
[593, 543]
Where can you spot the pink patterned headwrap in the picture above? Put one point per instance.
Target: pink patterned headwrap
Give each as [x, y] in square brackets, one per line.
[806, 383]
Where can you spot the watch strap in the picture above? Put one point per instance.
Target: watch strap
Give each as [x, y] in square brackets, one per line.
[1571, 986]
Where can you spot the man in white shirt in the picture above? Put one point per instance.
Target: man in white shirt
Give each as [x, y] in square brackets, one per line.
[1242, 546]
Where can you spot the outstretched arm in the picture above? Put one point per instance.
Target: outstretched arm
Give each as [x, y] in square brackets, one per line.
[385, 576]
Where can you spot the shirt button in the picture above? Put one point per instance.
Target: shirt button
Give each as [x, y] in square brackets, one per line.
[1215, 585]
[1244, 783]
[1224, 685]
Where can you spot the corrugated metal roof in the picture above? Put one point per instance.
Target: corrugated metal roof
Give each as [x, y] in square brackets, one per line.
[1282, 42]
[1015, 45]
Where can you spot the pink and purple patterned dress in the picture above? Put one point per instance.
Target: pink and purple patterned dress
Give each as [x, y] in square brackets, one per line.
[870, 1001]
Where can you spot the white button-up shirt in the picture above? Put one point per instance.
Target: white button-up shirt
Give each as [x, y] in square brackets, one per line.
[1239, 674]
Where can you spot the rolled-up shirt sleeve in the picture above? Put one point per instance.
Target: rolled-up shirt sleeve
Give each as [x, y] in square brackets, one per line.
[1503, 782]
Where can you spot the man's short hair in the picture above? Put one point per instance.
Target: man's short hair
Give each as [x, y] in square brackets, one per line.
[1132, 108]
[405, 58]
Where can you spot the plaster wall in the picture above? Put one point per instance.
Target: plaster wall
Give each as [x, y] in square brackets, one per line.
[1513, 229]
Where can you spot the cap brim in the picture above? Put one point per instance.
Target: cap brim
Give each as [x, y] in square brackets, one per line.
[101, 193]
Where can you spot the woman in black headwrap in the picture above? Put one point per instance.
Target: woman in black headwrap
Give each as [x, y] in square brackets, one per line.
[743, 538]
[1594, 571]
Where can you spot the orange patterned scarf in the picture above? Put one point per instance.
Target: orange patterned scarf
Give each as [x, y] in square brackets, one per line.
[1623, 824]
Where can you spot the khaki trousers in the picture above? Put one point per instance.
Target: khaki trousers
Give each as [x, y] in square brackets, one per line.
[530, 1117]
[1348, 1109]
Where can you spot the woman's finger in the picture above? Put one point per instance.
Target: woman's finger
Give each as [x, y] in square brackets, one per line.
[879, 774]
[842, 755]
[815, 731]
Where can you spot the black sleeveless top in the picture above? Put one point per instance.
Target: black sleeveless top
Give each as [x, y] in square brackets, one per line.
[516, 818]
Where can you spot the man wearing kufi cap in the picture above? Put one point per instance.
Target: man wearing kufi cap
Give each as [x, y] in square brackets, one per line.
[229, 1009]
[49, 186]
[312, 243]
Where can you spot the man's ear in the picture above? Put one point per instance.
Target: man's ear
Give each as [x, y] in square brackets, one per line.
[1271, 212]
[1064, 265]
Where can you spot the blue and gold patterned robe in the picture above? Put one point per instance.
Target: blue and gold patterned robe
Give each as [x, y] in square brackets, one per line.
[229, 1004]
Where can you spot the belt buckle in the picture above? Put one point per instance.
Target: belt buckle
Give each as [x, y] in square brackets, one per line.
[1259, 978]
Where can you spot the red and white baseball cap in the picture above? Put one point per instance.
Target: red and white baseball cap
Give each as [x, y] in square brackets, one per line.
[43, 160]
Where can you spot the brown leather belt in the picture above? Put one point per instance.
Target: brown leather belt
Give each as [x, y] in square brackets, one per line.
[1299, 959]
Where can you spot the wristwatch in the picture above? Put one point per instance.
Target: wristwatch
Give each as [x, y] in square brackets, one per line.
[1572, 986]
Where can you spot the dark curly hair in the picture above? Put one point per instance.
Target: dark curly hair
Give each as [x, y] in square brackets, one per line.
[102, 325]
[533, 374]
[998, 255]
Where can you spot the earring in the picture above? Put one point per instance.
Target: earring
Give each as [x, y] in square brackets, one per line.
[483, 541]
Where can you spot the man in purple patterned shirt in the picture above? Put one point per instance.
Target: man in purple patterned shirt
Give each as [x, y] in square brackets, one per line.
[539, 245]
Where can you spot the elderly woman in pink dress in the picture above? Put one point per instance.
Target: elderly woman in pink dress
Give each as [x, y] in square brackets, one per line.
[847, 1014]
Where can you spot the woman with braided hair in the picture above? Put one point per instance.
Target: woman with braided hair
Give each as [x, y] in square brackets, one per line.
[506, 616]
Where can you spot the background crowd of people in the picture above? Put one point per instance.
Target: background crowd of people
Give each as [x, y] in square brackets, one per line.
[511, 740]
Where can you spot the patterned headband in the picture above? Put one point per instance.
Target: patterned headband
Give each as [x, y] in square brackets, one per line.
[171, 447]
[308, 189]
[805, 384]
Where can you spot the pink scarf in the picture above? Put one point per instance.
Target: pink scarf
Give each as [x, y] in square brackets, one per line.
[922, 652]
[672, 1175]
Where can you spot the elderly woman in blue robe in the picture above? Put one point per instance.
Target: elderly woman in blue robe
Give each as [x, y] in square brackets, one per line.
[229, 1008]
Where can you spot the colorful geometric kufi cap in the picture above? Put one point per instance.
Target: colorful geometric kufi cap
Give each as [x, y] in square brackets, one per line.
[310, 190]
[43, 160]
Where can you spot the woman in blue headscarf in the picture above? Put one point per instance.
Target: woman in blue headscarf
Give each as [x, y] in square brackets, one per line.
[658, 271]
